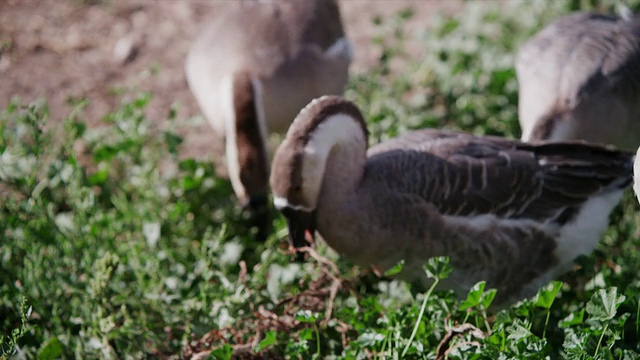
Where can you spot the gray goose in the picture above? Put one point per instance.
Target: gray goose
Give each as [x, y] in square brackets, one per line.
[579, 78]
[254, 67]
[511, 213]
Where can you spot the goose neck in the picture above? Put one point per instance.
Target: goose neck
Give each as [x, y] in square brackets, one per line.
[245, 137]
[335, 157]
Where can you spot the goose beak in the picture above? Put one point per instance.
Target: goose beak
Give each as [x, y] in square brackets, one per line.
[301, 224]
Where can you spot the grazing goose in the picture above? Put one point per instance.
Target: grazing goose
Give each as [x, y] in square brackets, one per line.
[252, 70]
[579, 78]
[511, 213]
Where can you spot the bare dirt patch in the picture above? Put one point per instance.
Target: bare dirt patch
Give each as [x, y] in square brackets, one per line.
[102, 50]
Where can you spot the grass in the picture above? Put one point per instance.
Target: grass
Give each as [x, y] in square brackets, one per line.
[113, 247]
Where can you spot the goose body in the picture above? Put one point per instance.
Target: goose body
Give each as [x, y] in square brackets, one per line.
[254, 67]
[579, 78]
[513, 214]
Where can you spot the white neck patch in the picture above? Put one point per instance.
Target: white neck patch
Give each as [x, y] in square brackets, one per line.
[335, 130]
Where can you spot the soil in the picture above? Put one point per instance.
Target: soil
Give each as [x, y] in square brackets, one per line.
[107, 50]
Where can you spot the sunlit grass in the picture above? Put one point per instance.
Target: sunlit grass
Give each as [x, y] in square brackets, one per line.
[113, 247]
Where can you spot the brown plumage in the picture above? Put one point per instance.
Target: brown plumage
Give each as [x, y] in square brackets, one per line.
[579, 78]
[254, 67]
[511, 213]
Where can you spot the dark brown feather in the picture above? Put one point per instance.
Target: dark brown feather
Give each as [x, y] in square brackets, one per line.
[252, 151]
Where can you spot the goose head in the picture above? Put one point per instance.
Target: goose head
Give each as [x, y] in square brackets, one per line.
[325, 125]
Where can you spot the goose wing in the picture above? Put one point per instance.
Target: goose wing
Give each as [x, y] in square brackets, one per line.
[462, 174]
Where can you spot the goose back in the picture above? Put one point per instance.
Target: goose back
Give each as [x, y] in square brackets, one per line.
[579, 78]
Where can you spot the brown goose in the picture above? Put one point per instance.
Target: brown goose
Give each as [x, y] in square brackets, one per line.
[579, 78]
[254, 67]
[511, 213]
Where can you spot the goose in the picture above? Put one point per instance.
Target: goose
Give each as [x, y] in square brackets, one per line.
[511, 213]
[254, 67]
[579, 78]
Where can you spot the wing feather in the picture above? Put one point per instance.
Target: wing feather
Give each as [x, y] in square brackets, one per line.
[461, 174]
